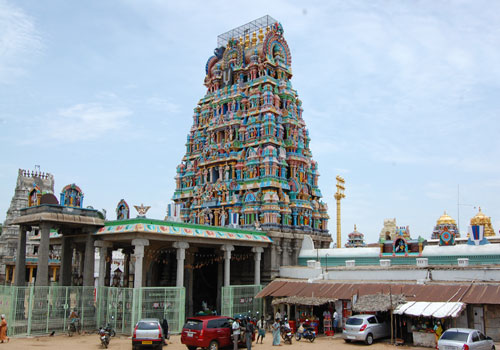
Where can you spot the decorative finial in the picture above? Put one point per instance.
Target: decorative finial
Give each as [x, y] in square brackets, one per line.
[247, 41]
[354, 227]
[261, 35]
[254, 38]
[141, 210]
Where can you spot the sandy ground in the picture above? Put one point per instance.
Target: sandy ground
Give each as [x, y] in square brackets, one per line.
[91, 341]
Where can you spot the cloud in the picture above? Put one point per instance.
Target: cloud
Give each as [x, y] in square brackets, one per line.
[163, 104]
[86, 121]
[19, 41]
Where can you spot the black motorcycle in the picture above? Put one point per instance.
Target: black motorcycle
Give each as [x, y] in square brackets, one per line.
[110, 330]
[104, 337]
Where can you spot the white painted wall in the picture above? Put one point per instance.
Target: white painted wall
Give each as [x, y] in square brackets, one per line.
[395, 273]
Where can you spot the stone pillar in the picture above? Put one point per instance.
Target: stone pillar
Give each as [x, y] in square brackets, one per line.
[297, 245]
[20, 269]
[257, 257]
[109, 260]
[219, 285]
[42, 272]
[139, 244]
[181, 256]
[227, 249]
[103, 253]
[89, 261]
[286, 250]
[126, 267]
[81, 258]
[66, 261]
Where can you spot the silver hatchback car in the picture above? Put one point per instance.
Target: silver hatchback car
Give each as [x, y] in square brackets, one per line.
[148, 333]
[464, 339]
[365, 328]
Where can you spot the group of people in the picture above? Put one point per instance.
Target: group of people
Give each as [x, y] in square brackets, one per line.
[249, 328]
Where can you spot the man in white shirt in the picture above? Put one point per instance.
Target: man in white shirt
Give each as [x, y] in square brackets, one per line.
[236, 333]
[335, 320]
[278, 315]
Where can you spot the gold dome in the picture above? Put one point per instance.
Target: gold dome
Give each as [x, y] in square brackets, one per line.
[445, 219]
[481, 219]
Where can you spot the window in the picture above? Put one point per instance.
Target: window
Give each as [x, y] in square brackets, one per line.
[475, 337]
[213, 324]
[353, 321]
[454, 335]
[372, 320]
[147, 325]
[481, 336]
[193, 324]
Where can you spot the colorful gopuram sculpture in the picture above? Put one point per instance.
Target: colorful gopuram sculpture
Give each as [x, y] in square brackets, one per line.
[355, 239]
[248, 161]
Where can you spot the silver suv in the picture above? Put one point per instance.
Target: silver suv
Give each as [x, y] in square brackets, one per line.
[365, 328]
[148, 333]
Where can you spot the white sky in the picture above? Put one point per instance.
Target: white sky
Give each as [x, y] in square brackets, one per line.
[401, 98]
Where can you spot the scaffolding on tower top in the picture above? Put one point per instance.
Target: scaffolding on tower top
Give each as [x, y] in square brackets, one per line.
[245, 29]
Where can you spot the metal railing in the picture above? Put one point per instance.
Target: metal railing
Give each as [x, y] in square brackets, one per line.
[241, 300]
[42, 310]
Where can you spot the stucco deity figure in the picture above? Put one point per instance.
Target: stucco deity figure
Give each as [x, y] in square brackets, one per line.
[223, 218]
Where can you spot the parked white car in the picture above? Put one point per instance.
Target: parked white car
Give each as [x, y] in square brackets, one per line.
[365, 328]
[465, 339]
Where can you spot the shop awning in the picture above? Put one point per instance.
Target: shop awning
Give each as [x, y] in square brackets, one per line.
[311, 301]
[430, 309]
[437, 292]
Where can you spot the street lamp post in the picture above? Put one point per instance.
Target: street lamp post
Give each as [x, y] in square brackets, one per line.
[338, 196]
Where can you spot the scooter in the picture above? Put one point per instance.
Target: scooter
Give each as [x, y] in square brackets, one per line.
[74, 327]
[308, 333]
[286, 334]
[104, 337]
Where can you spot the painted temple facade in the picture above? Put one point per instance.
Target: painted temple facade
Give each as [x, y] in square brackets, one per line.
[248, 163]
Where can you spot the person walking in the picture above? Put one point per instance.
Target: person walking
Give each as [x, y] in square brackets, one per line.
[236, 333]
[3, 330]
[276, 332]
[261, 330]
[249, 330]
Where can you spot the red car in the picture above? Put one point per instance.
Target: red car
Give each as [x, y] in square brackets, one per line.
[212, 332]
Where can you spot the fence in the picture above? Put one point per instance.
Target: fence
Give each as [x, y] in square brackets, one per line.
[241, 300]
[41, 310]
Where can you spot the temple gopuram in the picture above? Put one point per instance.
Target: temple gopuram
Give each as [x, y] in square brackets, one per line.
[248, 163]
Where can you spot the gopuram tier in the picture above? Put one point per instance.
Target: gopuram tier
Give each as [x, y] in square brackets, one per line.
[248, 162]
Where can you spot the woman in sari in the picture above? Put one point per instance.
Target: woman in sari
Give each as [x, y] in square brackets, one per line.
[276, 332]
[3, 330]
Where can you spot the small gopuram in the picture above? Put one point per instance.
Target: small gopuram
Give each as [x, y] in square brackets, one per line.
[31, 186]
[355, 239]
[248, 163]
[446, 230]
[76, 227]
[482, 220]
